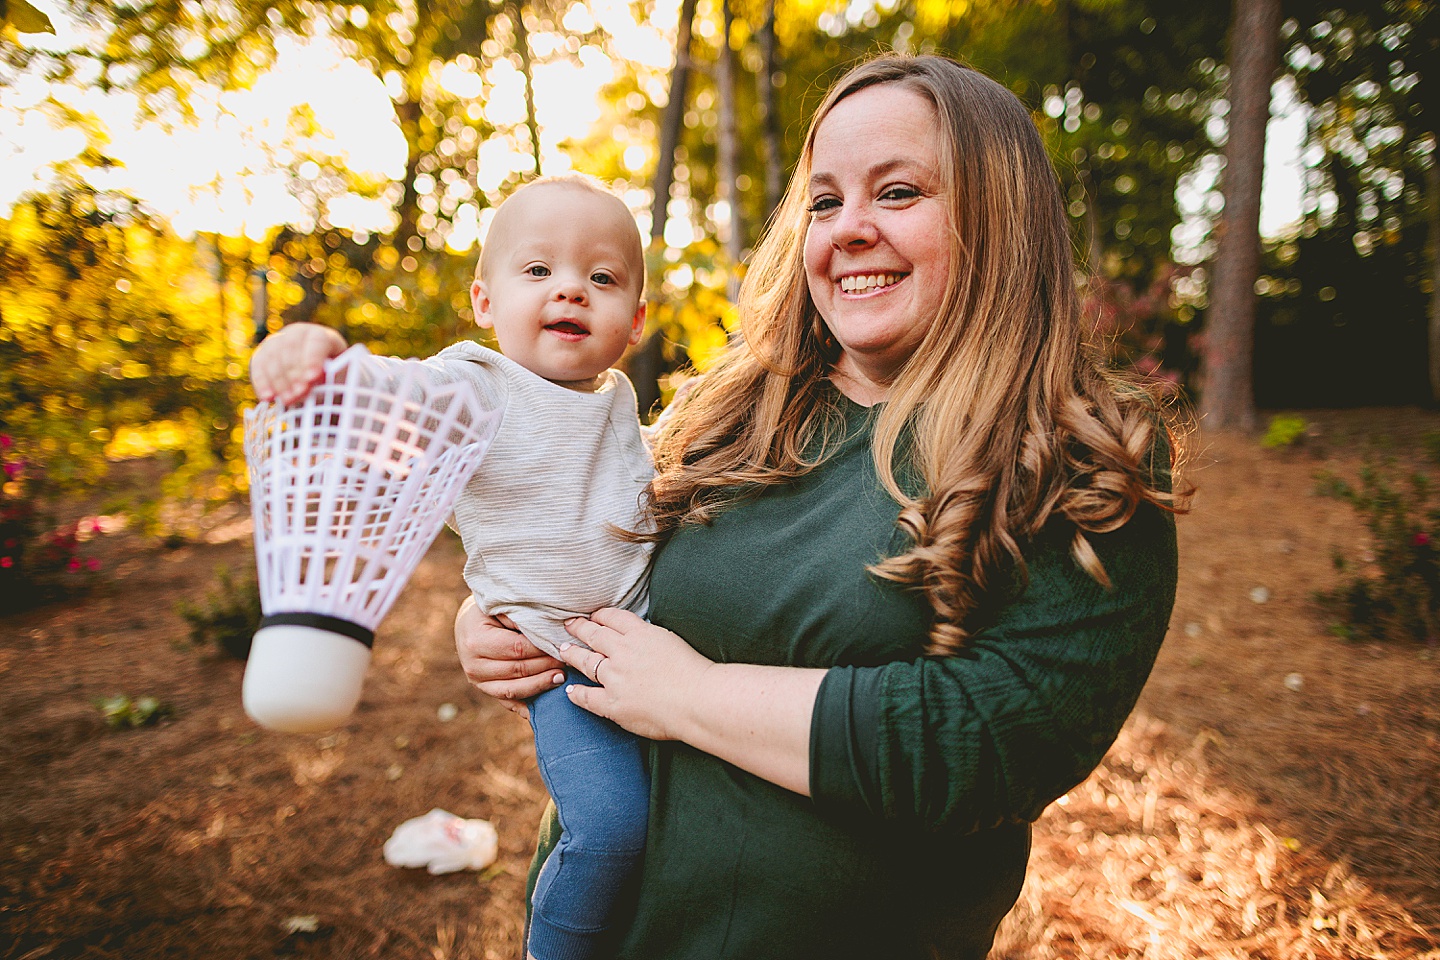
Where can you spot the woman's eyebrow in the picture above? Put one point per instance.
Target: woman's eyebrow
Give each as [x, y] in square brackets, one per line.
[883, 169]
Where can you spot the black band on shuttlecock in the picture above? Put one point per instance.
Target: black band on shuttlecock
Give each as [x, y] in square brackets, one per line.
[321, 622]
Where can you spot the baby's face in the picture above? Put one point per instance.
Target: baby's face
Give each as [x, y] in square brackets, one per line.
[562, 282]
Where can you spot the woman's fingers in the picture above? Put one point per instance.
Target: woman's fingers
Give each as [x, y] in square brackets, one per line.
[586, 661]
[617, 619]
[509, 671]
[510, 691]
[499, 661]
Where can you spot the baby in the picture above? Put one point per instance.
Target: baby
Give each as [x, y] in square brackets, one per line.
[560, 279]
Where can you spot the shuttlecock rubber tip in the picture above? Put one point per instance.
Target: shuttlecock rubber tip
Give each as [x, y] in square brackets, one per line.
[301, 679]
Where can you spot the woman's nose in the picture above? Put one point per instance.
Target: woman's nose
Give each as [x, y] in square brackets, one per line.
[853, 226]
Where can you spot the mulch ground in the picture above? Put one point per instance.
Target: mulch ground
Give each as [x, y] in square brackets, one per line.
[1277, 794]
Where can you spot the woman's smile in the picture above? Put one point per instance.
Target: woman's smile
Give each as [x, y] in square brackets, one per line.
[867, 283]
[878, 247]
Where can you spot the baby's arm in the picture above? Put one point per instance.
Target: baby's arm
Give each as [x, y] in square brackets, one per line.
[288, 363]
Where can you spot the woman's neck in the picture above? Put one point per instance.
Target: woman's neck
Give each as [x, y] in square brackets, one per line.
[857, 387]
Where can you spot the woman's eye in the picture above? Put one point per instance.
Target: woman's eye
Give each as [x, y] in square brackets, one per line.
[601, 278]
[900, 192]
[538, 270]
[823, 205]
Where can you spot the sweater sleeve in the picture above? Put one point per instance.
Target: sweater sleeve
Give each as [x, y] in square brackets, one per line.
[1025, 713]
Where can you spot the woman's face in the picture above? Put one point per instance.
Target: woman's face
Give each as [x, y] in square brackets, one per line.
[877, 251]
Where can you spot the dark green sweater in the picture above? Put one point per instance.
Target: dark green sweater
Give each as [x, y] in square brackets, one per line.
[925, 771]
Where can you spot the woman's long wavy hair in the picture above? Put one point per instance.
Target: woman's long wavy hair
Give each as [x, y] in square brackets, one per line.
[1006, 413]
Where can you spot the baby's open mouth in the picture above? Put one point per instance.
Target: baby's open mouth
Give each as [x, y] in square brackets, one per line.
[568, 327]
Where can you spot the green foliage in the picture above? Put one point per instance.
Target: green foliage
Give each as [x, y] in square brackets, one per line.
[112, 343]
[1341, 320]
[23, 18]
[1285, 430]
[1338, 327]
[1399, 598]
[121, 712]
[162, 51]
[228, 618]
[39, 562]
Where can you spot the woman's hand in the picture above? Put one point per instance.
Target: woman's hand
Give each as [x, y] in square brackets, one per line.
[288, 363]
[648, 676]
[499, 661]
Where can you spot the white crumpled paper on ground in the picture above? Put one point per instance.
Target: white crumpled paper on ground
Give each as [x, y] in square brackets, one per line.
[441, 842]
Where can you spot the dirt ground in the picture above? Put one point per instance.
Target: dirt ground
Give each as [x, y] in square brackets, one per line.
[1277, 794]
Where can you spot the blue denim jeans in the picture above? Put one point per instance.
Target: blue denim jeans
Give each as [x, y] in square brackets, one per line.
[595, 773]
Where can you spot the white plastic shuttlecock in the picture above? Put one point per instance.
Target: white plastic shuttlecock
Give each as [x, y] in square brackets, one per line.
[348, 489]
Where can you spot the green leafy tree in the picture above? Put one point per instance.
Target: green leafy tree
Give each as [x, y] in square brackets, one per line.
[1357, 291]
[1122, 89]
[112, 340]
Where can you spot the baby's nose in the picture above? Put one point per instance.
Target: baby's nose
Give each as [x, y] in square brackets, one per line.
[571, 290]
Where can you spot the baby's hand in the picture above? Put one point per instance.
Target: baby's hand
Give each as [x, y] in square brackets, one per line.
[288, 363]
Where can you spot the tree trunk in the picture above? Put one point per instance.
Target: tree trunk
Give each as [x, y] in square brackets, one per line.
[645, 362]
[407, 114]
[729, 153]
[770, 122]
[671, 123]
[1432, 214]
[222, 314]
[259, 305]
[522, 46]
[1228, 398]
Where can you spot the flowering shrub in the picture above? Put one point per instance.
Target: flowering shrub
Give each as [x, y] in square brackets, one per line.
[38, 562]
[1142, 326]
[1398, 598]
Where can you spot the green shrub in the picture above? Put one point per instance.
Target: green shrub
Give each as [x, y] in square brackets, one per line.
[1401, 601]
[228, 618]
[123, 713]
[1284, 431]
[39, 562]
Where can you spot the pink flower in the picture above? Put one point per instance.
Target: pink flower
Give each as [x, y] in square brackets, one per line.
[7, 562]
[96, 526]
[92, 564]
[5, 442]
[74, 564]
[1421, 540]
[11, 469]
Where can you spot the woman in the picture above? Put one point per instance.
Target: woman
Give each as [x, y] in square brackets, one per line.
[915, 541]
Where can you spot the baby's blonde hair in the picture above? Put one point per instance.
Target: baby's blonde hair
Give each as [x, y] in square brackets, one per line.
[581, 181]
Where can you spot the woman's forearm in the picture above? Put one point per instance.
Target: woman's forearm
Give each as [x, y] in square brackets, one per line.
[755, 717]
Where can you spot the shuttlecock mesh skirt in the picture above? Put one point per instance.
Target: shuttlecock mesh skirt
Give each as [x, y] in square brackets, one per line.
[348, 490]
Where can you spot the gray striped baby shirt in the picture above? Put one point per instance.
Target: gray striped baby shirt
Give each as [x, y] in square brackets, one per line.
[535, 518]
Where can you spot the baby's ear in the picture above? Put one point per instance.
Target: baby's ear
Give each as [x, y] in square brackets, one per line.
[637, 323]
[480, 302]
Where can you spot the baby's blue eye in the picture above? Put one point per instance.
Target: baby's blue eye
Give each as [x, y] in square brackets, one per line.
[601, 278]
[538, 270]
